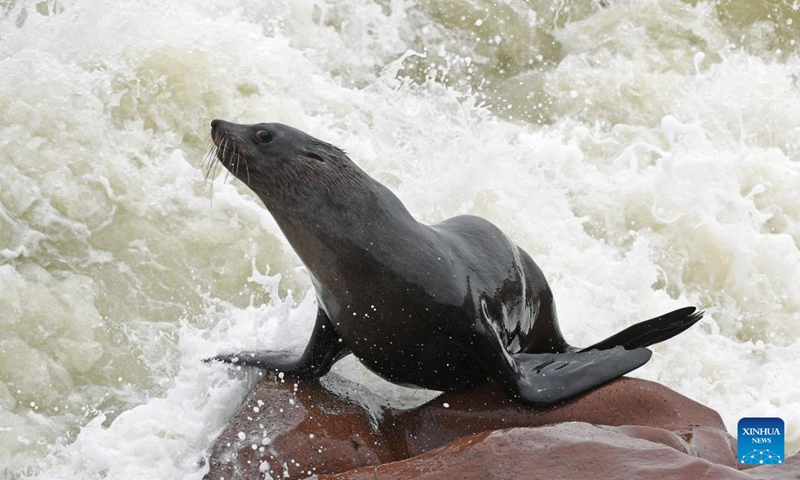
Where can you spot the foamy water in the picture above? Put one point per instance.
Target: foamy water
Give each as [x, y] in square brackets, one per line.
[645, 153]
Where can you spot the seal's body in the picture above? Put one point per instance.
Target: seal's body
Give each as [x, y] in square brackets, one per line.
[442, 307]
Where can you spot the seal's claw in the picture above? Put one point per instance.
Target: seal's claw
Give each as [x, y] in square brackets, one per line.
[270, 360]
[227, 358]
[232, 358]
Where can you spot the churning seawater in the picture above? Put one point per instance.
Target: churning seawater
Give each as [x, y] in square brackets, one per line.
[645, 153]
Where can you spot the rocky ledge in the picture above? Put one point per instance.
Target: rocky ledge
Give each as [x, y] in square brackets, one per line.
[629, 428]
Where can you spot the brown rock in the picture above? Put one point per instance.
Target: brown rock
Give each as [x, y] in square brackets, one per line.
[564, 451]
[295, 427]
[292, 429]
[625, 401]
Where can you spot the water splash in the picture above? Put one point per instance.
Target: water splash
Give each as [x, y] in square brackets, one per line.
[644, 153]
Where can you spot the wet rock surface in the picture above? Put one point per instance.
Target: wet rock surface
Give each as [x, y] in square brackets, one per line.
[293, 429]
[625, 401]
[567, 451]
[298, 428]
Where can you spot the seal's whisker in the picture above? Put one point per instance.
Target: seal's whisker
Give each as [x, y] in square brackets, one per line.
[230, 151]
[209, 163]
[210, 145]
[227, 146]
[224, 147]
[214, 170]
[238, 157]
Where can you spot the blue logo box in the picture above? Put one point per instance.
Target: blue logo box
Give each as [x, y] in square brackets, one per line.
[761, 441]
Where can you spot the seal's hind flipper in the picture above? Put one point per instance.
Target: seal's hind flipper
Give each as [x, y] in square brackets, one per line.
[546, 378]
[652, 331]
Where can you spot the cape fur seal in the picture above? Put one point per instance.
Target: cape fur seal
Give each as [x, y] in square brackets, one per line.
[442, 307]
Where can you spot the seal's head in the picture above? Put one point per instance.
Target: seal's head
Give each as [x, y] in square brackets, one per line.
[320, 199]
[285, 167]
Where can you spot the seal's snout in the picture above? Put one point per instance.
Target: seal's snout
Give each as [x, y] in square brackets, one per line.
[216, 126]
[230, 148]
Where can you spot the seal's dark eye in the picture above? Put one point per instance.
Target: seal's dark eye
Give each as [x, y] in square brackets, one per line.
[263, 136]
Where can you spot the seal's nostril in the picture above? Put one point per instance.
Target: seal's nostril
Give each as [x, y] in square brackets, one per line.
[214, 123]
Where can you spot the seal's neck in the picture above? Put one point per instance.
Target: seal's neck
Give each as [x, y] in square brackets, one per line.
[368, 222]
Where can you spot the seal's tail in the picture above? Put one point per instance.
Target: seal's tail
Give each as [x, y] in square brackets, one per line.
[651, 331]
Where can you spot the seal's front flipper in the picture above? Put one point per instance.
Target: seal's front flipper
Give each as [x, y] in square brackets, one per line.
[546, 378]
[324, 349]
[281, 361]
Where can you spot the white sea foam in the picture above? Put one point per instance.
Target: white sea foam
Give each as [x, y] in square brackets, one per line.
[663, 172]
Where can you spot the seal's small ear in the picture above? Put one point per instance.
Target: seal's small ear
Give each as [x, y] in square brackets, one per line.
[314, 156]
